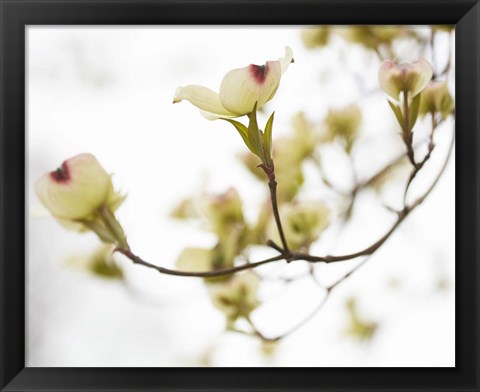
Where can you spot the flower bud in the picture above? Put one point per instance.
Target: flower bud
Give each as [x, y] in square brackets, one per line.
[409, 78]
[436, 99]
[77, 188]
[236, 297]
[302, 223]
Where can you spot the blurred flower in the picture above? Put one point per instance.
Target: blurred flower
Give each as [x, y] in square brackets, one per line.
[258, 233]
[186, 209]
[344, 124]
[239, 91]
[100, 263]
[236, 297]
[358, 327]
[202, 259]
[195, 260]
[77, 189]
[290, 181]
[409, 78]
[224, 216]
[316, 37]
[305, 135]
[302, 223]
[288, 156]
[436, 99]
[223, 211]
[372, 37]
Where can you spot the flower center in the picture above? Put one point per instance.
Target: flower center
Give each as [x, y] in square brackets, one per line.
[259, 72]
[62, 174]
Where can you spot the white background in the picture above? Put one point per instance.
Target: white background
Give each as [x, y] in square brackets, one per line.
[109, 91]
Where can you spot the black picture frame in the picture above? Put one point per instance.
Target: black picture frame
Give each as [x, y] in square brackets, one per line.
[17, 14]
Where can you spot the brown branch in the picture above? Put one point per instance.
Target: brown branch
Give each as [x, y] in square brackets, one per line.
[293, 256]
[206, 274]
[401, 217]
[365, 252]
[369, 251]
[294, 328]
[272, 185]
[407, 134]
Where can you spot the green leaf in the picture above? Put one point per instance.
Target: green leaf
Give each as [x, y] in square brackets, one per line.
[254, 133]
[267, 138]
[243, 131]
[413, 109]
[265, 157]
[398, 113]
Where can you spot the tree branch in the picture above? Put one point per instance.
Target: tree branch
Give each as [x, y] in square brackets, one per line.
[272, 185]
[207, 274]
[292, 256]
[401, 217]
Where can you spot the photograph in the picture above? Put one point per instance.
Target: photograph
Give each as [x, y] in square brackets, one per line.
[240, 196]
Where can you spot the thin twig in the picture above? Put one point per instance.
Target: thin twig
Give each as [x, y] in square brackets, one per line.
[321, 304]
[294, 328]
[418, 166]
[401, 217]
[272, 185]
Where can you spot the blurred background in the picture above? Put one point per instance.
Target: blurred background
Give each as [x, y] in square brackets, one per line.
[109, 91]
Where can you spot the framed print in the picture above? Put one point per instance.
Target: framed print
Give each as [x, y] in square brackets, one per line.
[239, 196]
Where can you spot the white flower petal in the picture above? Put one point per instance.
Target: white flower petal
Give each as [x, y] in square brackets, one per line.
[213, 116]
[287, 59]
[424, 73]
[385, 76]
[242, 87]
[239, 91]
[203, 98]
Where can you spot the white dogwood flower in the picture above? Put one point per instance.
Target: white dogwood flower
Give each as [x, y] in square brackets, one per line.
[239, 91]
[77, 188]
